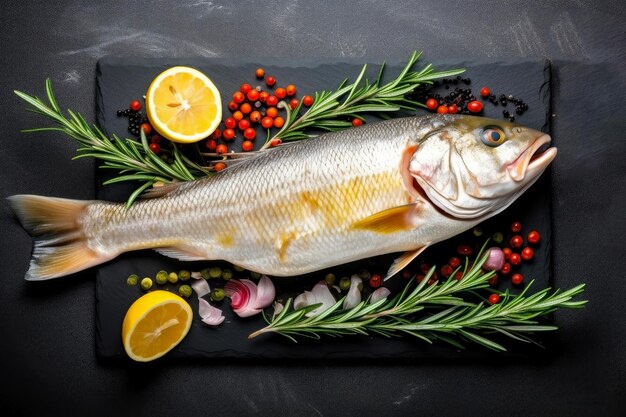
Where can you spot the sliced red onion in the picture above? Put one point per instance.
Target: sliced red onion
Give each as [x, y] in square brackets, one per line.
[354, 294]
[265, 293]
[495, 261]
[243, 296]
[210, 315]
[320, 294]
[201, 287]
[379, 294]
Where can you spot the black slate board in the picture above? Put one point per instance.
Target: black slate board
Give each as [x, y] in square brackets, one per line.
[121, 80]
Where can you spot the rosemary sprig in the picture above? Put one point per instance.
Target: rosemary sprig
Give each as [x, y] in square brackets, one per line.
[433, 312]
[331, 110]
[133, 160]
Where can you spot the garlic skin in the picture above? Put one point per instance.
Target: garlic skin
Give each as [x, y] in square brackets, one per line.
[211, 316]
[320, 294]
[379, 294]
[354, 293]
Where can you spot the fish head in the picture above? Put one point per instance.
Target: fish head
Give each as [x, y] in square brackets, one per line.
[471, 167]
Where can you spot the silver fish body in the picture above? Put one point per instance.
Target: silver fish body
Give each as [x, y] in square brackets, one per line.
[394, 186]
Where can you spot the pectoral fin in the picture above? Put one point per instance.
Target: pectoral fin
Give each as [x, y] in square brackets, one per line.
[396, 219]
[401, 262]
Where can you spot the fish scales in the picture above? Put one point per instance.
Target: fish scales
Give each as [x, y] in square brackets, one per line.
[393, 186]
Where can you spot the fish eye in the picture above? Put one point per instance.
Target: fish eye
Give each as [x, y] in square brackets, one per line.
[493, 136]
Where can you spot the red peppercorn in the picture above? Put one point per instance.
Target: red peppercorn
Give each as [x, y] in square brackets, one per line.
[147, 129]
[307, 101]
[494, 299]
[280, 93]
[533, 237]
[375, 281]
[485, 92]
[245, 108]
[249, 133]
[270, 81]
[232, 106]
[506, 269]
[275, 142]
[453, 109]
[517, 279]
[507, 253]
[442, 109]
[154, 147]
[253, 95]
[211, 144]
[431, 281]
[406, 274]
[247, 146]
[515, 259]
[493, 281]
[516, 227]
[260, 73]
[216, 134]
[464, 250]
[293, 103]
[420, 277]
[516, 241]
[229, 134]
[446, 270]
[238, 115]
[454, 262]
[475, 106]
[230, 123]
[221, 148]
[357, 122]
[291, 90]
[135, 105]
[255, 116]
[432, 104]
[219, 166]
[424, 268]
[271, 100]
[267, 122]
[243, 124]
[245, 88]
[238, 97]
[528, 253]
[458, 275]
[155, 139]
[263, 95]
[279, 122]
[271, 112]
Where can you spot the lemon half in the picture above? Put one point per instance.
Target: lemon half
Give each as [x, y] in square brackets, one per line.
[183, 105]
[155, 324]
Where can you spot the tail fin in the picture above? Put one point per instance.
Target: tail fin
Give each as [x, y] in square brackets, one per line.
[60, 246]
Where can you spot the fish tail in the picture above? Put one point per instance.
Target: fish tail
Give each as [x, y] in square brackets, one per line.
[60, 246]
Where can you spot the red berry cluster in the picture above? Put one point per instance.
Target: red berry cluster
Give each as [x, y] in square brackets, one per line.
[251, 107]
[517, 252]
[137, 122]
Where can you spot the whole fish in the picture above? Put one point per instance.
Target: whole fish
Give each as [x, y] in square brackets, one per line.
[394, 186]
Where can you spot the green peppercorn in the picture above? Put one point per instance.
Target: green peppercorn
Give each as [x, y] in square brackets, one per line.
[364, 274]
[344, 283]
[498, 237]
[478, 231]
[146, 283]
[215, 272]
[161, 277]
[217, 294]
[227, 274]
[255, 275]
[184, 275]
[238, 268]
[330, 278]
[172, 277]
[185, 291]
[205, 273]
[132, 279]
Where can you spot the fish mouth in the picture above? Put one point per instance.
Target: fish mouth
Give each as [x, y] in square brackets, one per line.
[534, 159]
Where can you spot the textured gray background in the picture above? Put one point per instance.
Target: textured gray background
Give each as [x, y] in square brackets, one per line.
[47, 344]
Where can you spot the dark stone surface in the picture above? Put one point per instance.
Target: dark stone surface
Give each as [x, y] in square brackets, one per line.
[48, 349]
[119, 80]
